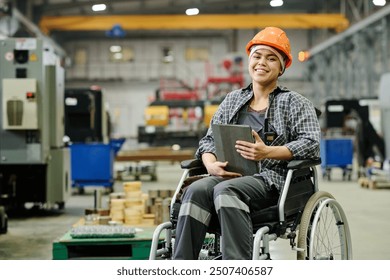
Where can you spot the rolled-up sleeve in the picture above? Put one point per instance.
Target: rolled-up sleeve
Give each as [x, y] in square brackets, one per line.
[305, 129]
[206, 144]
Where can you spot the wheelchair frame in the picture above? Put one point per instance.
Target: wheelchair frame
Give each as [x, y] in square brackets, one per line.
[314, 213]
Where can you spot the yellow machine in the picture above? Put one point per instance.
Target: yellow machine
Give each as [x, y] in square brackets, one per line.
[157, 115]
[178, 114]
[209, 111]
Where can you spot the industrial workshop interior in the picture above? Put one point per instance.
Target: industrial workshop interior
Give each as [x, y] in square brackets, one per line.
[102, 103]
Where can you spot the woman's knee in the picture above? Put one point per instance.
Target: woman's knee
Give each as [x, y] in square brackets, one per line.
[223, 187]
[199, 189]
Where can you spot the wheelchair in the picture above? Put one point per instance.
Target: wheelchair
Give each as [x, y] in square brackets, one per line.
[312, 220]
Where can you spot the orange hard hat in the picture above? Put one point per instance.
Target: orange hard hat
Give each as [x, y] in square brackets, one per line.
[273, 37]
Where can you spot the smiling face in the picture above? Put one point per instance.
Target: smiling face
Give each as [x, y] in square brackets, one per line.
[264, 67]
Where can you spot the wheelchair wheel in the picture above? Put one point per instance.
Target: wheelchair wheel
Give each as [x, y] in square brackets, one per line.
[323, 231]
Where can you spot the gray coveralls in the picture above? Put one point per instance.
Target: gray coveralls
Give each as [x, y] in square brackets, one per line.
[232, 200]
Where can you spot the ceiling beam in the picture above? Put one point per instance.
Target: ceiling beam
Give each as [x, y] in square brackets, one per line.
[377, 17]
[337, 22]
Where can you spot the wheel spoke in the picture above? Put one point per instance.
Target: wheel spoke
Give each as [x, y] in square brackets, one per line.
[324, 232]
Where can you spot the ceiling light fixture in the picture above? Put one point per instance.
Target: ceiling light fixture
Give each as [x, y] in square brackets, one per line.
[192, 12]
[276, 3]
[379, 2]
[99, 7]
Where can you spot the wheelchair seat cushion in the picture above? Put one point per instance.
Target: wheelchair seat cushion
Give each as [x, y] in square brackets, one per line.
[263, 216]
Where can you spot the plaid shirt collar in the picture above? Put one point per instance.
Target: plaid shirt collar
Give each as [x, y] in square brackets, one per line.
[277, 90]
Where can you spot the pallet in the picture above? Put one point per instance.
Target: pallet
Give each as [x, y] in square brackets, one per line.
[136, 248]
[372, 184]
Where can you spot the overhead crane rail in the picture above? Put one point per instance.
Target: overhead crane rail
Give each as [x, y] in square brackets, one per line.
[334, 21]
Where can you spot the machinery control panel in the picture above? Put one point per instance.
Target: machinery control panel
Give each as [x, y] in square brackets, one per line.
[20, 108]
[34, 161]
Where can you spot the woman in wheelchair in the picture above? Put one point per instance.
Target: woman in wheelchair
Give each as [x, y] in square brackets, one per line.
[285, 127]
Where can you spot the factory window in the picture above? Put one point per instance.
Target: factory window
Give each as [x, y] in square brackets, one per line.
[121, 54]
[80, 56]
[167, 55]
[197, 54]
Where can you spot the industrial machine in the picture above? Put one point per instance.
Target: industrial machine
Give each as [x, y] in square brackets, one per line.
[218, 86]
[87, 130]
[172, 122]
[85, 115]
[174, 116]
[180, 114]
[34, 163]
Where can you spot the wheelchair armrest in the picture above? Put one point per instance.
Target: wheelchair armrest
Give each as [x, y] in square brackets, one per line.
[303, 163]
[191, 163]
[194, 167]
[294, 164]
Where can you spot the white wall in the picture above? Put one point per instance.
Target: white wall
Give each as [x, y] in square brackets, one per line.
[147, 64]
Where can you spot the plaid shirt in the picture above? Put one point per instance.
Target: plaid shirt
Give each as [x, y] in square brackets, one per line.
[291, 115]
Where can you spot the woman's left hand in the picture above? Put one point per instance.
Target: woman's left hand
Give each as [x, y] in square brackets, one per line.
[252, 151]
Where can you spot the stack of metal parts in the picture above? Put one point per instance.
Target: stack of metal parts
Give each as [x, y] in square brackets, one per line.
[134, 203]
[129, 207]
[102, 231]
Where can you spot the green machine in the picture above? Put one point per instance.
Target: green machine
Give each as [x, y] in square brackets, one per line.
[34, 162]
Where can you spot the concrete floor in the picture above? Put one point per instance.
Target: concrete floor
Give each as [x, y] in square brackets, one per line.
[30, 236]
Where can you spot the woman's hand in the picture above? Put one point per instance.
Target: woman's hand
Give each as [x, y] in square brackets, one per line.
[259, 150]
[252, 151]
[217, 168]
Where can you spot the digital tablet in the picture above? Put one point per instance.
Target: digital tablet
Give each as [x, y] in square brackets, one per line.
[225, 137]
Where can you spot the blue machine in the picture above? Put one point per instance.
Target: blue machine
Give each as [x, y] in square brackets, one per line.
[87, 125]
[337, 153]
[116, 144]
[93, 163]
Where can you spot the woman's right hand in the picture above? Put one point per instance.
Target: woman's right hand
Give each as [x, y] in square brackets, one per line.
[217, 168]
